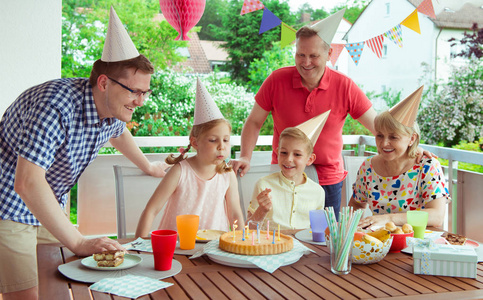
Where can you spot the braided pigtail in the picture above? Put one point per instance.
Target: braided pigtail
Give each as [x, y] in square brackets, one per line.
[174, 160]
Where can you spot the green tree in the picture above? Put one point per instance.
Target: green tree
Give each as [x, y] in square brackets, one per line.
[270, 61]
[84, 27]
[452, 111]
[353, 9]
[243, 42]
[214, 10]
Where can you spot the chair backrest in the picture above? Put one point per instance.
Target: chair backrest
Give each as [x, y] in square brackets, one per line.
[352, 164]
[133, 190]
[246, 184]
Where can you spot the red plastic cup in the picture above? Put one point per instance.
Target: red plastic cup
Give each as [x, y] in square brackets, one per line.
[163, 243]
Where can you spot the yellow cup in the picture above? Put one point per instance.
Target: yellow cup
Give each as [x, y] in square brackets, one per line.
[187, 228]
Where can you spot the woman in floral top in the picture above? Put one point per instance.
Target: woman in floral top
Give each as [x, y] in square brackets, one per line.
[394, 181]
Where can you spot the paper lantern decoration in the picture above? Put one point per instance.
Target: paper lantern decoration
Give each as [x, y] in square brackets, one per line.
[182, 14]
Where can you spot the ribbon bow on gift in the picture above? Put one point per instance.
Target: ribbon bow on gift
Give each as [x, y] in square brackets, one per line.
[427, 245]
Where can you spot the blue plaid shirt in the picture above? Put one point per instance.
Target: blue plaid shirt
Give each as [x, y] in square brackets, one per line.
[54, 125]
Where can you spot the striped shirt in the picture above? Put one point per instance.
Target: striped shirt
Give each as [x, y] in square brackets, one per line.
[54, 125]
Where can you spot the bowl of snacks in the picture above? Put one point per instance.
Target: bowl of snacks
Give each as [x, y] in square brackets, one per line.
[399, 235]
[371, 247]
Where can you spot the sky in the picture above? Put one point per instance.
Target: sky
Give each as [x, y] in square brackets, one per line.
[326, 4]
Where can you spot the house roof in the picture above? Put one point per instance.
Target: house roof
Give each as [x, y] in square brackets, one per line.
[197, 59]
[214, 51]
[464, 18]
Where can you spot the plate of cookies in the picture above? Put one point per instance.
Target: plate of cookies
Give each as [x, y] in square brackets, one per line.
[111, 261]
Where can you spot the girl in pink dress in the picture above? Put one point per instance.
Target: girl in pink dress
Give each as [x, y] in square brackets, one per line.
[203, 184]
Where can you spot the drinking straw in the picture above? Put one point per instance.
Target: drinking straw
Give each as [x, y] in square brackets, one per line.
[342, 233]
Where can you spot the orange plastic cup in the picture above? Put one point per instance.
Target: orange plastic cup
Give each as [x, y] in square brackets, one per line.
[187, 228]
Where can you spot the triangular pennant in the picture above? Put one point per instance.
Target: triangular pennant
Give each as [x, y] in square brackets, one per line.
[250, 6]
[355, 51]
[376, 45]
[269, 21]
[426, 7]
[287, 35]
[336, 50]
[412, 21]
[395, 35]
[406, 111]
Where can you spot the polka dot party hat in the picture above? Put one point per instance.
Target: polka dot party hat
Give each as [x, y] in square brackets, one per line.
[205, 108]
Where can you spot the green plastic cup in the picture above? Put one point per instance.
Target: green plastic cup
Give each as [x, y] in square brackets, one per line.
[419, 220]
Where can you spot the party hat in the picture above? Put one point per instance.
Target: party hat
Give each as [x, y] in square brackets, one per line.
[314, 126]
[205, 108]
[118, 45]
[406, 111]
[327, 27]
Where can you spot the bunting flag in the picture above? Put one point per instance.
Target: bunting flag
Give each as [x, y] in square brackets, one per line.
[287, 35]
[355, 51]
[336, 50]
[395, 35]
[251, 6]
[426, 7]
[376, 45]
[269, 21]
[412, 21]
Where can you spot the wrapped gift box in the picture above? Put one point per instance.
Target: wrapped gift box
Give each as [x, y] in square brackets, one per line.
[444, 260]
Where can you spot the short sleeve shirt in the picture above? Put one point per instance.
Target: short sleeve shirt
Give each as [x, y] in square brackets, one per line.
[412, 190]
[290, 203]
[54, 125]
[291, 104]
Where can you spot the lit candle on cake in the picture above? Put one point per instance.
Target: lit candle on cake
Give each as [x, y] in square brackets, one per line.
[273, 242]
[258, 233]
[268, 229]
[248, 231]
[243, 235]
[234, 228]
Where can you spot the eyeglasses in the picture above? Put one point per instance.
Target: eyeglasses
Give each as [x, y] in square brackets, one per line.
[134, 94]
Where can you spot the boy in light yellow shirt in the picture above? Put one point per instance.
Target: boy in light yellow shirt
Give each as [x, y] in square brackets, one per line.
[285, 198]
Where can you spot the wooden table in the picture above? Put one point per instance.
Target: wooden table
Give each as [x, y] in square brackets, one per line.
[309, 278]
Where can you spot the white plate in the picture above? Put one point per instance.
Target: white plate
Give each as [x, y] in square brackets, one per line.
[206, 235]
[239, 263]
[306, 236]
[130, 260]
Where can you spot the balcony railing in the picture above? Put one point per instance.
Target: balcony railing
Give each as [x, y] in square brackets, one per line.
[465, 187]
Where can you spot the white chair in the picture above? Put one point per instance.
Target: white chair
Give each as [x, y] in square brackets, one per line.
[246, 184]
[352, 164]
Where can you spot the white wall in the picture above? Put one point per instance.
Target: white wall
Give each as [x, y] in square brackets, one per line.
[444, 61]
[401, 69]
[30, 46]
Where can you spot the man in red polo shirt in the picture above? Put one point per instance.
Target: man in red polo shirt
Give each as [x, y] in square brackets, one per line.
[296, 94]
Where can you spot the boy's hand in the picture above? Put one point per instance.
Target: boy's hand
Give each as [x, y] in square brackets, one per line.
[265, 200]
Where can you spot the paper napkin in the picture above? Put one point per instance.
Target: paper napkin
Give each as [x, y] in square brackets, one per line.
[269, 263]
[139, 245]
[129, 286]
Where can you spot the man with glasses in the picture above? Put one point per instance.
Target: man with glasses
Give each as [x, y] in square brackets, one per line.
[48, 136]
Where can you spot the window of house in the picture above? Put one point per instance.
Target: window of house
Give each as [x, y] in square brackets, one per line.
[384, 50]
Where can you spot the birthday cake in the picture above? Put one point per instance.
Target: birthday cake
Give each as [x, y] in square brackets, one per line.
[250, 246]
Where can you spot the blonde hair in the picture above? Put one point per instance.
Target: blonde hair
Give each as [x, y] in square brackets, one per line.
[385, 121]
[297, 134]
[196, 132]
